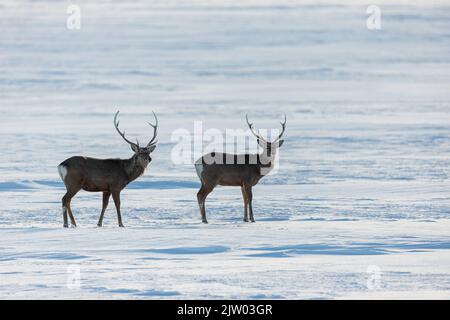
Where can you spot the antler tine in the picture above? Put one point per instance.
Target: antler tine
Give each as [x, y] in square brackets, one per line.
[256, 134]
[122, 134]
[283, 127]
[155, 131]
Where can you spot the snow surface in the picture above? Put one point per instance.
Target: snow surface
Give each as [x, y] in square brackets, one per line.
[363, 182]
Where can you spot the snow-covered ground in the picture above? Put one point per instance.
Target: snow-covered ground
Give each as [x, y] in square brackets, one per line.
[359, 207]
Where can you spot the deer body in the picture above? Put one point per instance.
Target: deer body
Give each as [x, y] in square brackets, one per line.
[96, 175]
[244, 170]
[109, 176]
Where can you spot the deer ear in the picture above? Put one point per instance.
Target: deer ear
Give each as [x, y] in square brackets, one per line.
[151, 148]
[280, 143]
[134, 147]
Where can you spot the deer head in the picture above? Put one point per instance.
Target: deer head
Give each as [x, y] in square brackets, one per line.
[270, 147]
[141, 154]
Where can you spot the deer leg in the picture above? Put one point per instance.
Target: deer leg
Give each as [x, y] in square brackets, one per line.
[244, 196]
[201, 197]
[106, 196]
[201, 203]
[64, 210]
[248, 191]
[66, 207]
[72, 219]
[116, 198]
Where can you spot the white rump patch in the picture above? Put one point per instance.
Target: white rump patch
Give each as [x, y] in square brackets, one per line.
[62, 172]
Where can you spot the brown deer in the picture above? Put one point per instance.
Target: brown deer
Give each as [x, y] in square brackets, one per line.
[244, 170]
[109, 176]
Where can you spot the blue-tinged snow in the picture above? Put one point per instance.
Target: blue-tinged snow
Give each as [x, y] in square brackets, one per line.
[364, 172]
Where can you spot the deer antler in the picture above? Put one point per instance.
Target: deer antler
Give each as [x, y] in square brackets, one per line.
[122, 134]
[256, 134]
[155, 130]
[283, 127]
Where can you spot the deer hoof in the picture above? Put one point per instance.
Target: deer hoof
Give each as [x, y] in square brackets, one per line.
[245, 220]
[205, 221]
[99, 225]
[66, 225]
[121, 225]
[252, 220]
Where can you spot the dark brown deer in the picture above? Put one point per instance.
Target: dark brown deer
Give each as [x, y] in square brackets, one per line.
[244, 170]
[109, 176]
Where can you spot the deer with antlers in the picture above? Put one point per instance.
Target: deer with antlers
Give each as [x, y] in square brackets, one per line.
[244, 170]
[109, 176]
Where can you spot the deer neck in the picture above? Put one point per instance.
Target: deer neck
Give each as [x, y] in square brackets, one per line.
[267, 161]
[133, 169]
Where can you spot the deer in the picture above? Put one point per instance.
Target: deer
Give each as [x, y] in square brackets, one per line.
[243, 170]
[109, 176]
